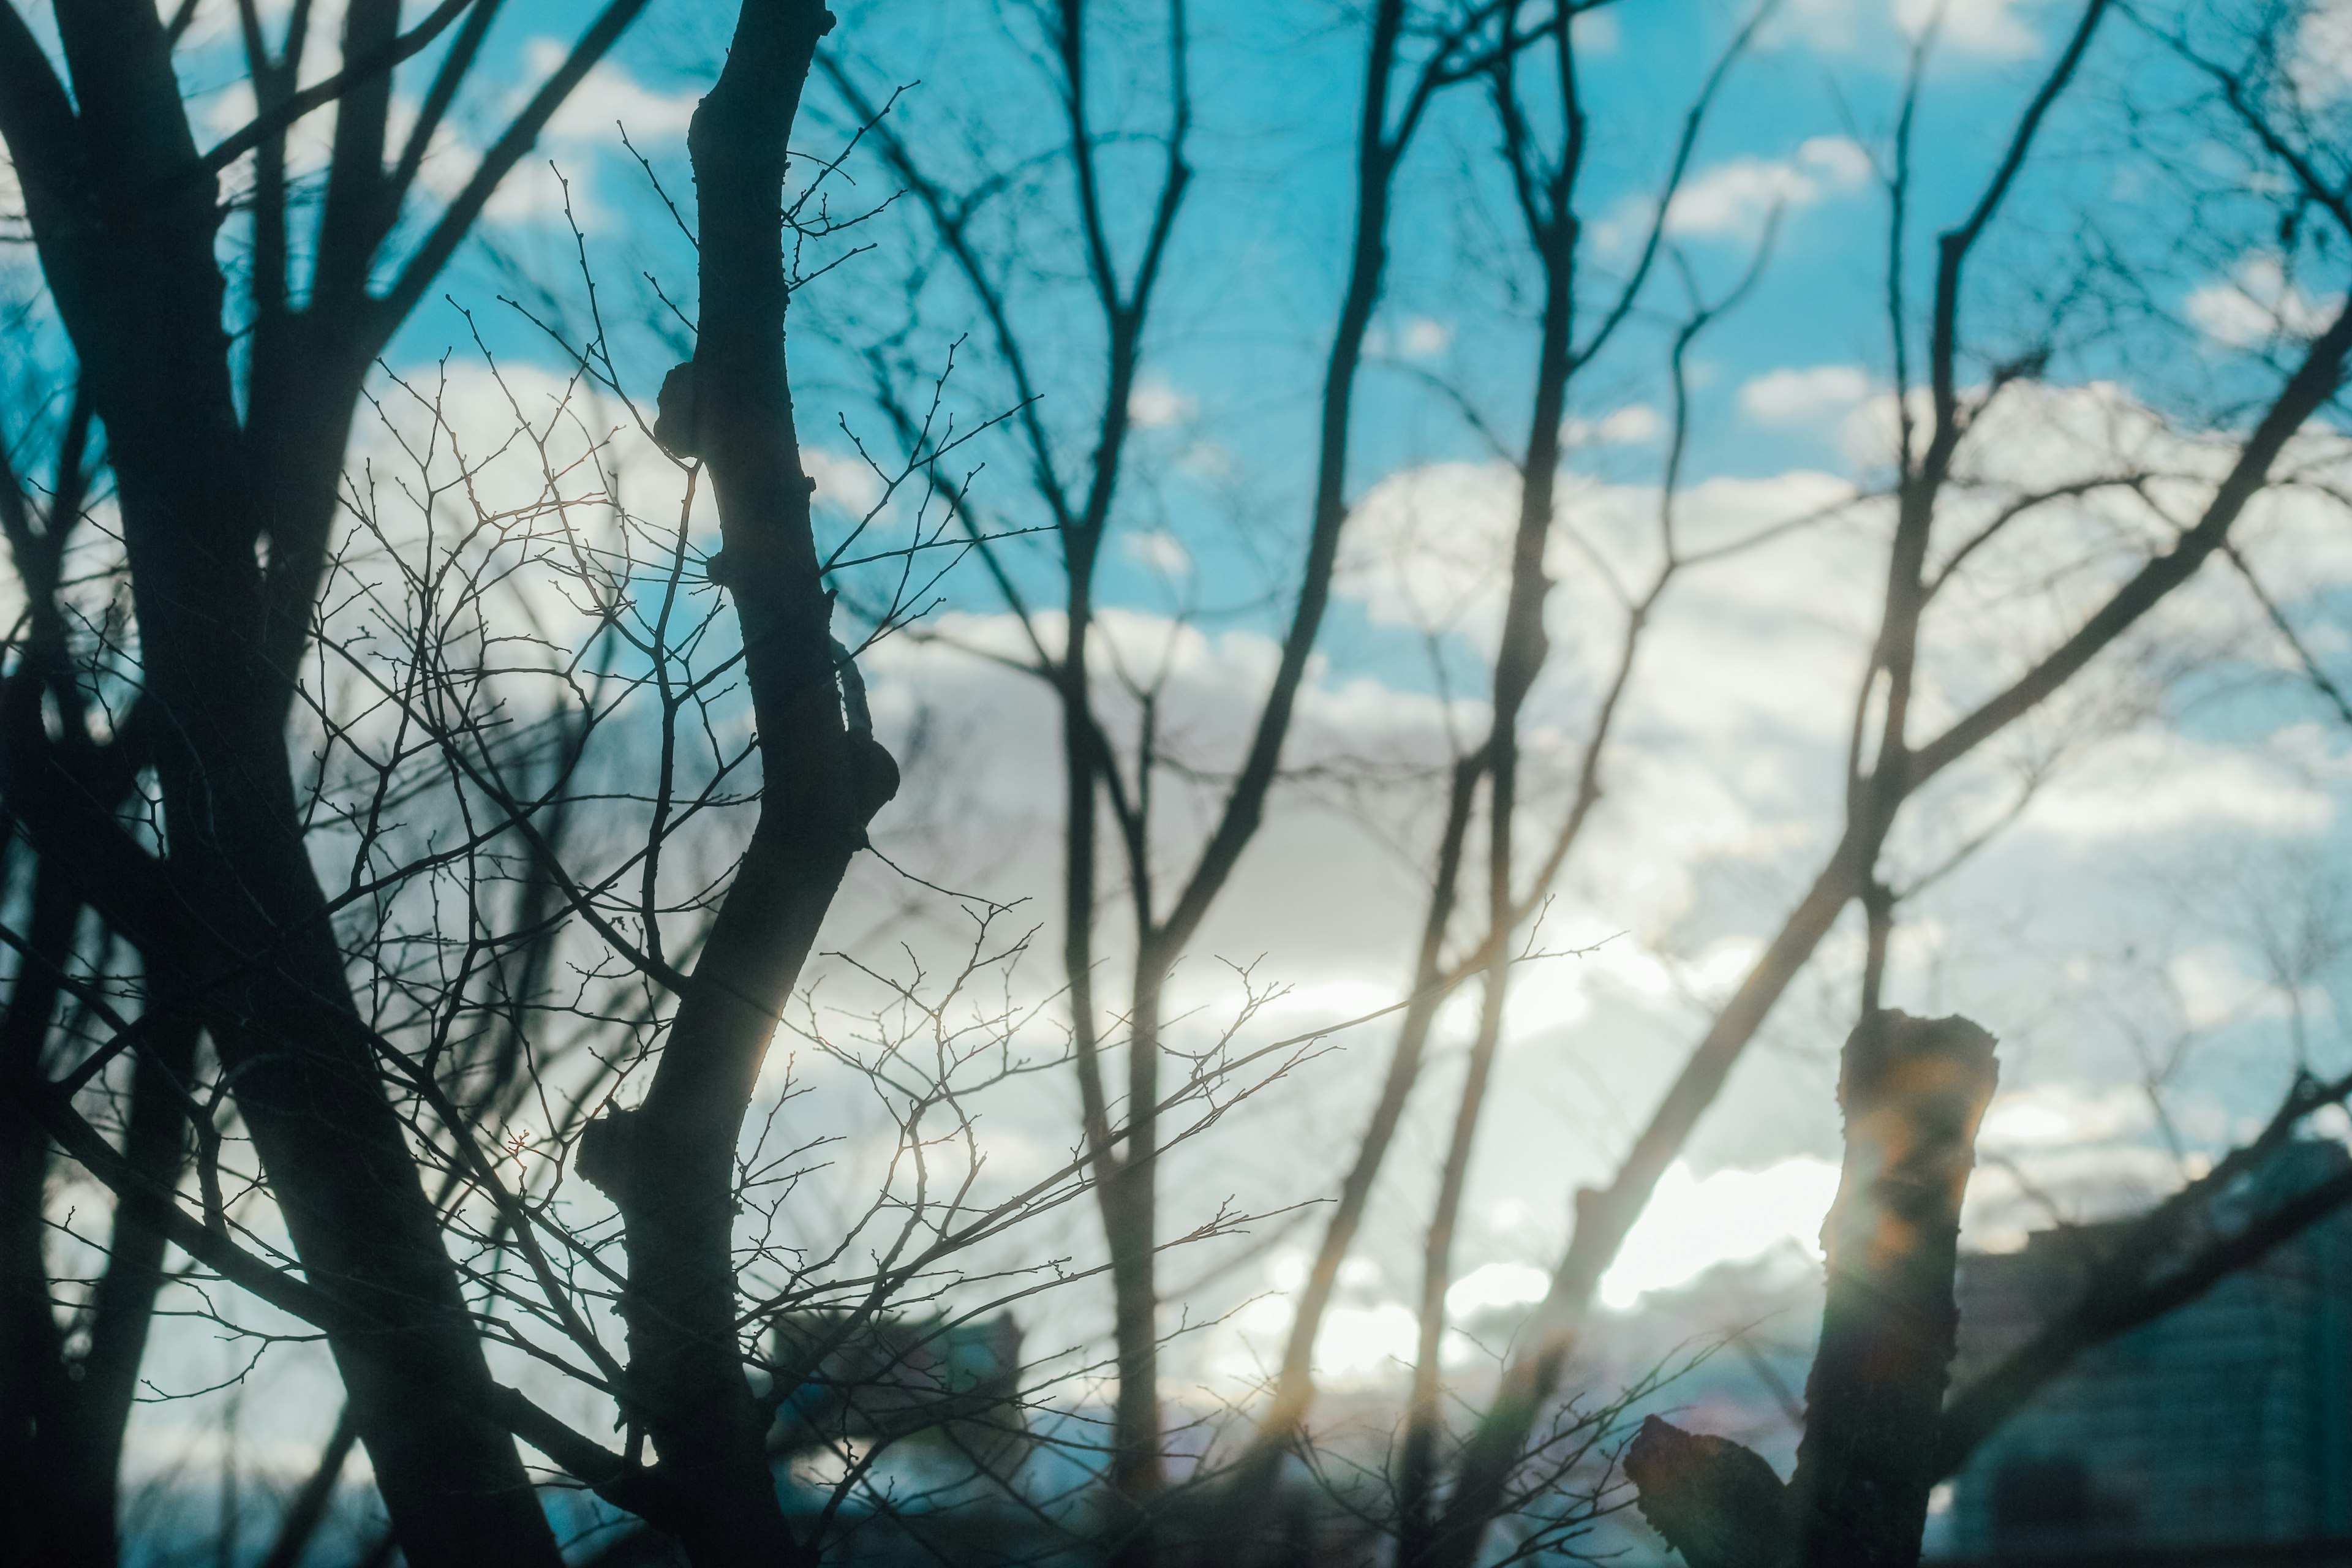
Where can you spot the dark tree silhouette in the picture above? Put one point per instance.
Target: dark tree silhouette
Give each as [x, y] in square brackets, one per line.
[1913, 1091]
[226, 485]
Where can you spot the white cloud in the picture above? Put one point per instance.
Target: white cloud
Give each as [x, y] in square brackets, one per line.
[1359, 1340]
[2062, 1114]
[582, 132]
[1788, 398]
[2213, 986]
[589, 124]
[1495, 1285]
[1207, 461]
[844, 478]
[1425, 546]
[1427, 550]
[1986, 28]
[1840, 160]
[1425, 337]
[2257, 304]
[1353, 1345]
[1595, 32]
[1694, 1223]
[1358, 1343]
[1154, 405]
[2155, 782]
[2320, 64]
[1634, 424]
[1983, 28]
[1160, 550]
[595, 453]
[1733, 198]
[2008, 1199]
[13, 226]
[537, 190]
[608, 100]
[1414, 337]
[1830, 25]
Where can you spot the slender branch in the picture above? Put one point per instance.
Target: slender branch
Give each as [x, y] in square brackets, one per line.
[374, 63]
[521, 133]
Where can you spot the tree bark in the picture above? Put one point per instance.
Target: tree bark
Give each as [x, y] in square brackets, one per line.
[1913, 1091]
[126, 241]
[669, 1163]
[84, 1465]
[34, 1390]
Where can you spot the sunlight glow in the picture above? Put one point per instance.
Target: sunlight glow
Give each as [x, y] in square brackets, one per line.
[1695, 1223]
[1495, 1285]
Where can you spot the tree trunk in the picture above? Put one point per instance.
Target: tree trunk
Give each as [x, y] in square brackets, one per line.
[1912, 1090]
[126, 242]
[83, 1466]
[669, 1164]
[34, 1390]
[1131, 1227]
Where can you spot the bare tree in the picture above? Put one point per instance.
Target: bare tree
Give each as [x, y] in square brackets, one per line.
[227, 502]
[1546, 192]
[1410, 61]
[393, 839]
[1913, 1091]
[1934, 479]
[342, 1088]
[1932, 433]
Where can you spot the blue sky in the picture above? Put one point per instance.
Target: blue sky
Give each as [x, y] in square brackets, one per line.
[1784, 398]
[1782, 391]
[2149, 894]
[1257, 260]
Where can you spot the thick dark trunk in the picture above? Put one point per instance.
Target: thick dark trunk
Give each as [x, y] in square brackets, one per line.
[84, 1465]
[66, 1414]
[126, 241]
[30, 1345]
[334, 1149]
[33, 1388]
[348, 1188]
[1912, 1090]
[336, 1154]
[298, 424]
[669, 1164]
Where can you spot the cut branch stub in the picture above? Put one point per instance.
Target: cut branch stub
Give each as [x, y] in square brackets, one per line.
[1912, 1090]
[1715, 1502]
[674, 414]
[605, 1156]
